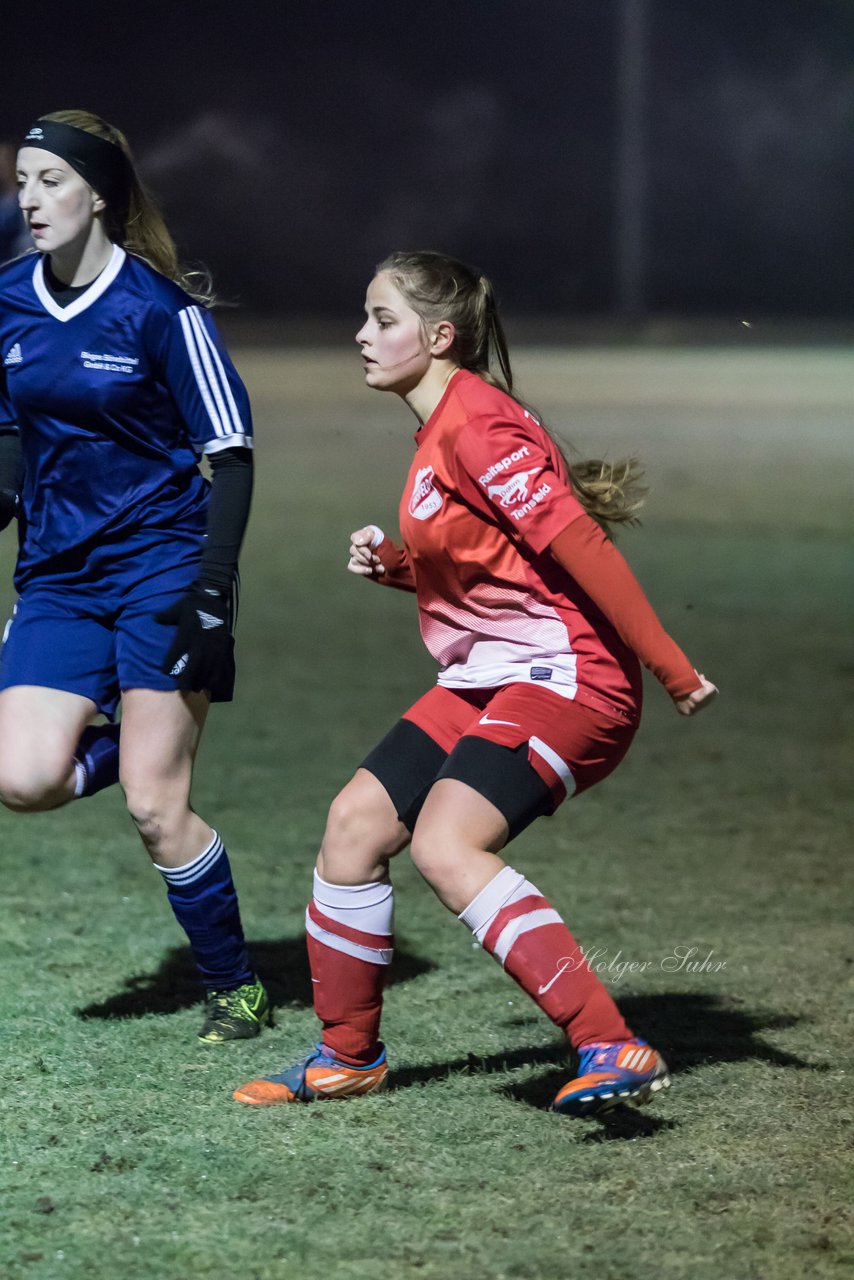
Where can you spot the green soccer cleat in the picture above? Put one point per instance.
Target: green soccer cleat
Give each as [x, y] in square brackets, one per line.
[238, 1014]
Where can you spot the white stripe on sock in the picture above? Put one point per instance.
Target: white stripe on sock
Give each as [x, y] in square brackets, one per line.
[523, 924]
[483, 909]
[373, 955]
[194, 870]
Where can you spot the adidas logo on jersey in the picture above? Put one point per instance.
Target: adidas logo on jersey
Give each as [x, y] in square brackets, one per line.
[14, 356]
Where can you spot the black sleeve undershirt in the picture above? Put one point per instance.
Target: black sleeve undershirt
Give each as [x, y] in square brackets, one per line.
[228, 513]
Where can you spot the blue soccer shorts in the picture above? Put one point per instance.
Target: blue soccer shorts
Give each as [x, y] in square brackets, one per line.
[96, 639]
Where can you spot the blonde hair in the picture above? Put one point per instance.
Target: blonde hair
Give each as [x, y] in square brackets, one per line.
[437, 288]
[140, 228]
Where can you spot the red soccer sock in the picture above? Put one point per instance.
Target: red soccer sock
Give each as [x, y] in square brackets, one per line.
[515, 924]
[350, 946]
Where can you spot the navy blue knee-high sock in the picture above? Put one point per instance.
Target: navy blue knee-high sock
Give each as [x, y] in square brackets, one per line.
[204, 900]
[96, 759]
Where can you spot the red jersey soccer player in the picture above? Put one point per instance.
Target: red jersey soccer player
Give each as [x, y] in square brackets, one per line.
[538, 626]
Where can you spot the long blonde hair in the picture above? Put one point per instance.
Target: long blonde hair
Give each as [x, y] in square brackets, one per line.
[140, 229]
[441, 288]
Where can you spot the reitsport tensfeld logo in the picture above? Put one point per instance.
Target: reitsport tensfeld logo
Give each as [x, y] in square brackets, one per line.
[503, 463]
[513, 490]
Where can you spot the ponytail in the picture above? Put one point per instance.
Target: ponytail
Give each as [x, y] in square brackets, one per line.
[610, 492]
[496, 342]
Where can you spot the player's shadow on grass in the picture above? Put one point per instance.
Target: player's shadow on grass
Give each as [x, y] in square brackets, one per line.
[690, 1028]
[282, 965]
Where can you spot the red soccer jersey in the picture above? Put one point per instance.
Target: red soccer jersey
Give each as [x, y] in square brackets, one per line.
[487, 492]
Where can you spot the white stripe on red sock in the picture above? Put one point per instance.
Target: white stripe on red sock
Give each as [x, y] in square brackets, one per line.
[483, 909]
[353, 919]
[339, 941]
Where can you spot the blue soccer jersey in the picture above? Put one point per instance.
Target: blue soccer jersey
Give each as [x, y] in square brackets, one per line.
[116, 397]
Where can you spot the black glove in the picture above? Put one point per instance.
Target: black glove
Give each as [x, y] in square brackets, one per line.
[11, 476]
[8, 507]
[202, 653]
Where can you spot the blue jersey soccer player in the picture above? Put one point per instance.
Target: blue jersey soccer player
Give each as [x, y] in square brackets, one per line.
[114, 383]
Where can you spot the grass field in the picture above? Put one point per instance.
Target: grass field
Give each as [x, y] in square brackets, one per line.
[709, 878]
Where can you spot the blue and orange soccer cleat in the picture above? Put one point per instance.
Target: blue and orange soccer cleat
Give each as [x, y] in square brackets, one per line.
[320, 1075]
[610, 1074]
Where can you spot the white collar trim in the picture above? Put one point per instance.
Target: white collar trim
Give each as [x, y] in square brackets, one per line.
[98, 286]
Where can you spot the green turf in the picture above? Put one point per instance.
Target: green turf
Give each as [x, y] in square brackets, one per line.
[722, 842]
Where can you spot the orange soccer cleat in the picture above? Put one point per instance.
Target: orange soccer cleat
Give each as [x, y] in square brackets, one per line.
[320, 1075]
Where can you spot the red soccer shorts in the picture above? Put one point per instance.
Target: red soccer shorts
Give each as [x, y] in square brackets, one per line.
[571, 743]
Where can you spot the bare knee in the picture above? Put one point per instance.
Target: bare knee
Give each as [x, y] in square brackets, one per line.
[145, 813]
[39, 728]
[171, 831]
[362, 833]
[439, 843]
[430, 857]
[35, 789]
[351, 820]
[455, 865]
[154, 813]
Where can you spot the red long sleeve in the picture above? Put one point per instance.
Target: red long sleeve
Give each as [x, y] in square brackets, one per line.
[600, 570]
[398, 570]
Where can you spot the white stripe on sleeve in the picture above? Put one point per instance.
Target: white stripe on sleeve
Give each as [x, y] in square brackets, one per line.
[209, 370]
[228, 442]
[201, 381]
[236, 423]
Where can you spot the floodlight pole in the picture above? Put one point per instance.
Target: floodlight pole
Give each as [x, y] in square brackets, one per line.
[630, 220]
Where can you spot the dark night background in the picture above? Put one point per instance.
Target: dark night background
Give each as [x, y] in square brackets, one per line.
[292, 146]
